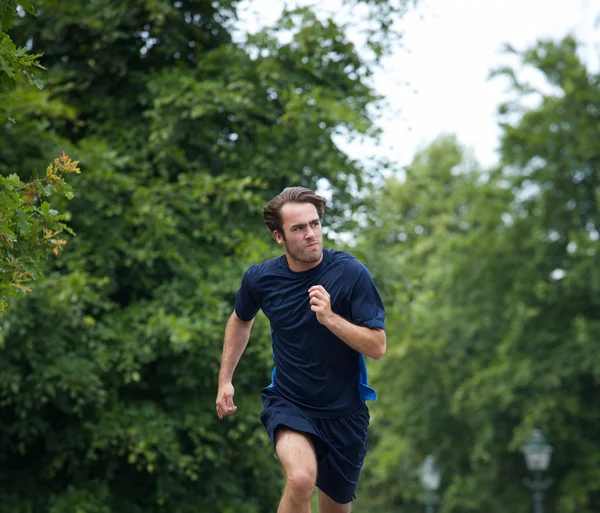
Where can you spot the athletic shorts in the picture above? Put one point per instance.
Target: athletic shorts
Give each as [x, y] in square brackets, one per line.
[340, 443]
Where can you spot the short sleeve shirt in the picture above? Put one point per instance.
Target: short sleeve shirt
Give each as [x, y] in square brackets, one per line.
[314, 368]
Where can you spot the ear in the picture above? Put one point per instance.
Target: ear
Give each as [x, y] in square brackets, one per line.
[278, 237]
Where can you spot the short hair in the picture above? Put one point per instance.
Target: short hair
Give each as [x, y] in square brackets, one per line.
[272, 211]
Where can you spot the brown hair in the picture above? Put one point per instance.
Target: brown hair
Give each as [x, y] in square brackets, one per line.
[272, 212]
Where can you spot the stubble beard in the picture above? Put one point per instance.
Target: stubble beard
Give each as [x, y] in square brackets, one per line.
[299, 255]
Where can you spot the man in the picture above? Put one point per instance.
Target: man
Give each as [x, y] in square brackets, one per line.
[325, 314]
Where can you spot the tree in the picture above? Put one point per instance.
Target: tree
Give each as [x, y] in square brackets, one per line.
[495, 311]
[428, 238]
[17, 65]
[108, 375]
[29, 227]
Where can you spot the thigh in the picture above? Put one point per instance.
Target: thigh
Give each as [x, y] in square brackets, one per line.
[280, 414]
[328, 505]
[295, 451]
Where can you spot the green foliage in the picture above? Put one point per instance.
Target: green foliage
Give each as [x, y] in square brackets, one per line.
[109, 368]
[17, 65]
[29, 223]
[493, 286]
[29, 227]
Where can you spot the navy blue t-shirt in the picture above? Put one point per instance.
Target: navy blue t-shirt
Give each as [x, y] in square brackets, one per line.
[313, 368]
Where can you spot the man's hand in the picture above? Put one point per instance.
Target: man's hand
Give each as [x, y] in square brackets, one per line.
[225, 404]
[320, 303]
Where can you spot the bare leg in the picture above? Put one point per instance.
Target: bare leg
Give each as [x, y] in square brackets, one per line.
[298, 458]
[328, 505]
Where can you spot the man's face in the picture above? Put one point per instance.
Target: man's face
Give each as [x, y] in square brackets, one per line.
[302, 235]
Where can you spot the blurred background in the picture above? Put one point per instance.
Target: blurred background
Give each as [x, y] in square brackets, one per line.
[457, 145]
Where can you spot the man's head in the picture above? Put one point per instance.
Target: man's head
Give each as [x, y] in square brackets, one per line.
[294, 218]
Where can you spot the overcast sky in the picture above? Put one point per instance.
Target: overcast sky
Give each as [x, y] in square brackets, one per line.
[438, 82]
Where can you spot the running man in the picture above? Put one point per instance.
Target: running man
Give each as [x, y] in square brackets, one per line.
[325, 314]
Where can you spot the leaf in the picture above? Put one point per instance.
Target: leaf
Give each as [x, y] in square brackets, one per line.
[11, 181]
[28, 6]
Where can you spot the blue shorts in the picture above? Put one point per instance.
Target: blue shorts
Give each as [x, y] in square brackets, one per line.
[340, 443]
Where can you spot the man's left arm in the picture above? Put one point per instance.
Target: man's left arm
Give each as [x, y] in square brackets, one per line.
[368, 341]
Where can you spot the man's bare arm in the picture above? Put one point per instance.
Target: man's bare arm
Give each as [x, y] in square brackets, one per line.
[237, 334]
[368, 341]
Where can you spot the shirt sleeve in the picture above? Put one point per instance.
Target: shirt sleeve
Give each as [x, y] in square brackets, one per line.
[247, 299]
[366, 304]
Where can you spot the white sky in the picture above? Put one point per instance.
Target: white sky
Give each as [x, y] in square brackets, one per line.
[438, 81]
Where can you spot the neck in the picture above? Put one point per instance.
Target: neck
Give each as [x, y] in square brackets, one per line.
[298, 266]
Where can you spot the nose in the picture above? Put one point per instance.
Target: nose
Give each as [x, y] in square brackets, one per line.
[309, 233]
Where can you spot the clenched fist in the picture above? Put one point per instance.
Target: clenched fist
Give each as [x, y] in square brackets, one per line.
[320, 303]
[225, 404]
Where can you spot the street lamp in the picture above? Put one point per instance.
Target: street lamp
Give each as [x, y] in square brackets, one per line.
[430, 479]
[537, 453]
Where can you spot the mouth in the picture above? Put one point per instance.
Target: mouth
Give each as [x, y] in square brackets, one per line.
[312, 245]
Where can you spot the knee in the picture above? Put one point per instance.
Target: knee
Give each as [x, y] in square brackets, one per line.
[300, 483]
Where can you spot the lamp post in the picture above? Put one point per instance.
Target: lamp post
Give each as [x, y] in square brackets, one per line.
[537, 453]
[430, 479]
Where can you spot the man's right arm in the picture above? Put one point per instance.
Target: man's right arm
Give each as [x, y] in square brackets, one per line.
[237, 334]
